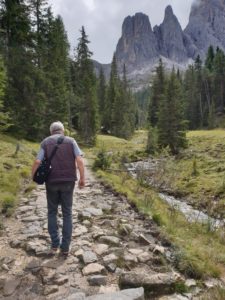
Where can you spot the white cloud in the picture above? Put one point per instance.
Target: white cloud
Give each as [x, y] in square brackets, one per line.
[103, 19]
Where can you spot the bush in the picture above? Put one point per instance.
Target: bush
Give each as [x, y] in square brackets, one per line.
[157, 219]
[152, 143]
[8, 203]
[102, 161]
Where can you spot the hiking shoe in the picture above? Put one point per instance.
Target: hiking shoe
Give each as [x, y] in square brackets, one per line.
[64, 253]
[52, 252]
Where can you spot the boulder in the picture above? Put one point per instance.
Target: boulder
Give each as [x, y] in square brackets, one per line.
[130, 294]
[155, 284]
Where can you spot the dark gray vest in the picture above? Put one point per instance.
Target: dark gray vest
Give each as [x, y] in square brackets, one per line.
[63, 162]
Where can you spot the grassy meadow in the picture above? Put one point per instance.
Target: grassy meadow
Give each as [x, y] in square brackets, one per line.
[15, 171]
[196, 173]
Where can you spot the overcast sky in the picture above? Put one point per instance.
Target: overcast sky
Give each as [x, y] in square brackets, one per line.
[103, 19]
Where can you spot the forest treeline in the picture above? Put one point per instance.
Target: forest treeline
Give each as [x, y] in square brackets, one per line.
[192, 100]
[40, 82]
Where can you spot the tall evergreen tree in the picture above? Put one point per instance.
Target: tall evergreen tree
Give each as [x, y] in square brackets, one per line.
[210, 58]
[157, 91]
[16, 25]
[192, 107]
[123, 110]
[171, 124]
[86, 91]
[101, 92]
[56, 69]
[199, 90]
[4, 116]
[219, 82]
[112, 97]
[39, 12]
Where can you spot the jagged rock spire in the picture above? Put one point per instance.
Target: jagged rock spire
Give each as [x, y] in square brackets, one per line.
[137, 43]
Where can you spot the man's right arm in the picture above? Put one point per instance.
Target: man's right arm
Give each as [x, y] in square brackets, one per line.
[38, 160]
[80, 165]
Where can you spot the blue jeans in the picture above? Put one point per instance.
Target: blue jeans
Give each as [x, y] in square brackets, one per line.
[60, 194]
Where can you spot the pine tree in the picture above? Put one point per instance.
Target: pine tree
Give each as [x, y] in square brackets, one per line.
[219, 82]
[192, 107]
[39, 14]
[210, 58]
[199, 90]
[16, 26]
[101, 91]
[157, 90]
[171, 124]
[123, 109]
[86, 91]
[112, 96]
[56, 70]
[4, 116]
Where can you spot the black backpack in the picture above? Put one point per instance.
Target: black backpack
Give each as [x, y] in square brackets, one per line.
[44, 169]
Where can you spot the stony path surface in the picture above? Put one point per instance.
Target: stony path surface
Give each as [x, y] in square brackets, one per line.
[113, 248]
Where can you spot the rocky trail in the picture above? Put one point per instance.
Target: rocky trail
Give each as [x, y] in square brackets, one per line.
[115, 252]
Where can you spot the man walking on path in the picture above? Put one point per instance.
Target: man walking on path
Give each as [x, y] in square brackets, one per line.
[60, 183]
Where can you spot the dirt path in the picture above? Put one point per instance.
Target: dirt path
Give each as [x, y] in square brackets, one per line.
[112, 244]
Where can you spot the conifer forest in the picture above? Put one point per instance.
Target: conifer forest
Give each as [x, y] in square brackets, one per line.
[41, 81]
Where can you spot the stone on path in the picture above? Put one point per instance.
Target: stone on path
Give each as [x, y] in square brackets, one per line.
[24, 209]
[130, 294]
[130, 258]
[79, 231]
[89, 257]
[135, 251]
[77, 296]
[111, 240]
[94, 211]
[32, 219]
[145, 240]
[160, 283]
[61, 279]
[159, 250]
[10, 286]
[50, 289]
[144, 257]
[100, 248]
[97, 280]
[93, 268]
[174, 297]
[110, 258]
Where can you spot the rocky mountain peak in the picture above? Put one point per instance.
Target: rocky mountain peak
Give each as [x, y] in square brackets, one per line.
[169, 12]
[137, 43]
[170, 37]
[135, 25]
[140, 47]
[207, 24]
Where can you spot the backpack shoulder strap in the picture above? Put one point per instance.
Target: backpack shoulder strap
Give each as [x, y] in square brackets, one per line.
[59, 141]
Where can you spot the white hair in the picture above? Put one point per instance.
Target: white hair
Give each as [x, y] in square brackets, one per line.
[56, 127]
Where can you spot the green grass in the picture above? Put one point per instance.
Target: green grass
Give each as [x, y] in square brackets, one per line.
[214, 293]
[15, 170]
[198, 173]
[199, 253]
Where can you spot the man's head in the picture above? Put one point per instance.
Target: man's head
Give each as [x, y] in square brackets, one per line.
[56, 127]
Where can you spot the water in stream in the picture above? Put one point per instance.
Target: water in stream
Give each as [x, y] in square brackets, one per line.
[192, 214]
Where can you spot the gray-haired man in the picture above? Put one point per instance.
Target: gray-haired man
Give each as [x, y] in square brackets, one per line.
[60, 183]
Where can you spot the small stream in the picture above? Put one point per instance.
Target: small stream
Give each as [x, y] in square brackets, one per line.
[191, 214]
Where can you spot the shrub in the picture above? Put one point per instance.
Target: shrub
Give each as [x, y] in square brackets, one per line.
[102, 161]
[157, 219]
[152, 143]
[8, 203]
